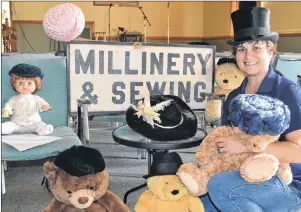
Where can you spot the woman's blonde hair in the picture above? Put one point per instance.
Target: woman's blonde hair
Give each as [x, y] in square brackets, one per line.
[37, 81]
[272, 47]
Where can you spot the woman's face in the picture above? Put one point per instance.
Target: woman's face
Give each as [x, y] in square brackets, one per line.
[25, 86]
[254, 58]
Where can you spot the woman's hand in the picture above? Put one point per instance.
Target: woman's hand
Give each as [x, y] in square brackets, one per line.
[5, 114]
[45, 107]
[230, 145]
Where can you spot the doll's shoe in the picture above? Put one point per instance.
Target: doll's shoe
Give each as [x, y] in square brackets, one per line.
[8, 128]
[46, 130]
[193, 179]
[259, 168]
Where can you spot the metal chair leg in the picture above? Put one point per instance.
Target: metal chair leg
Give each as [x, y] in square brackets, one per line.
[3, 191]
[5, 165]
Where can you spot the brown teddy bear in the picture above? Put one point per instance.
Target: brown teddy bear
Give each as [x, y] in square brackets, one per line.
[79, 182]
[227, 78]
[165, 190]
[258, 121]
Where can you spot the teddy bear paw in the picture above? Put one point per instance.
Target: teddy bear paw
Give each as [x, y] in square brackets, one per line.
[193, 179]
[259, 168]
[285, 174]
[286, 177]
[189, 182]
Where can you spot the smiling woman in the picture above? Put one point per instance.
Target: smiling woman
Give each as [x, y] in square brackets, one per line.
[254, 47]
[254, 59]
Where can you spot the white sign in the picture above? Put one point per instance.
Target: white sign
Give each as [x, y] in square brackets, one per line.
[115, 75]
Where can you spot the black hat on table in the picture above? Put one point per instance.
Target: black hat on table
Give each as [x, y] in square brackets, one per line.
[250, 24]
[162, 118]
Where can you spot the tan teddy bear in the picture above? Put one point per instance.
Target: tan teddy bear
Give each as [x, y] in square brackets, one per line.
[79, 182]
[258, 121]
[227, 78]
[165, 191]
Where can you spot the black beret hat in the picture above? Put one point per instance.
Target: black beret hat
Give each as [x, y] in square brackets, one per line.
[224, 60]
[80, 161]
[26, 70]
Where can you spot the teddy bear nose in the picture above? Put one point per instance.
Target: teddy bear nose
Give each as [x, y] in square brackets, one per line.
[175, 192]
[225, 81]
[83, 200]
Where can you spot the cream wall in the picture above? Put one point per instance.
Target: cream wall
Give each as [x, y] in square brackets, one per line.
[186, 18]
[216, 19]
[285, 16]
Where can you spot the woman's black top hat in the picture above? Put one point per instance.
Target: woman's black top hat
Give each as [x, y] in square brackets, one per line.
[168, 118]
[80, 161]
[165, 163]
[26, 70]
[252, 23]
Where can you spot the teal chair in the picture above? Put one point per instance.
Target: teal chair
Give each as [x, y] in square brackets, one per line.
[54, 91]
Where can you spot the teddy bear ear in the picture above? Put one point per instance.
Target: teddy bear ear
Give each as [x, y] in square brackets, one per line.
[50, 170]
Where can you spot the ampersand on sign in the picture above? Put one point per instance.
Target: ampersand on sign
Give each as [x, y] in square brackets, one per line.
[88, 89]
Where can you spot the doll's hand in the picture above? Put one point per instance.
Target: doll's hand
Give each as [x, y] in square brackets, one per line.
[5, 114]
[45, 107]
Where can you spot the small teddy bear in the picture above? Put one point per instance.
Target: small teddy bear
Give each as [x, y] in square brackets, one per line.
[227, 77]
[79, 182]
[258, 121]
[165, 190]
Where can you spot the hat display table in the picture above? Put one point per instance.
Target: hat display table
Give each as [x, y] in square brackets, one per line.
[126, 136]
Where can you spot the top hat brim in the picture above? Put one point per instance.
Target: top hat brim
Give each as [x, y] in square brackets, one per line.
[272, 36]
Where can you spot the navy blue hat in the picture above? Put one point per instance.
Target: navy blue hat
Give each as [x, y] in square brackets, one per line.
[26, 71]
[258, 114]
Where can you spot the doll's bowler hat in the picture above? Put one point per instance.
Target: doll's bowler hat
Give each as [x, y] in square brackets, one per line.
[165, 163]
[26, 70]
[167, 118]
[80, 161]
[250, 24]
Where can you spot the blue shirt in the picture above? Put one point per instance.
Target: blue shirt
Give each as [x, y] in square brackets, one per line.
[285, 90]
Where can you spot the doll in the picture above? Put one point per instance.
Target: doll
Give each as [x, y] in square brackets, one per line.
[24, 108]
